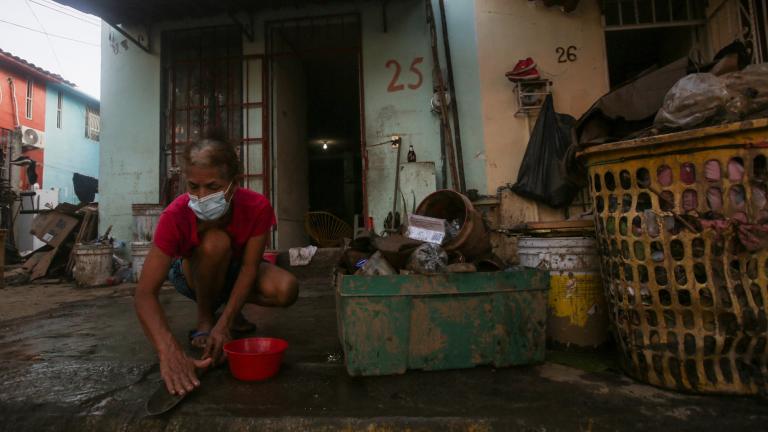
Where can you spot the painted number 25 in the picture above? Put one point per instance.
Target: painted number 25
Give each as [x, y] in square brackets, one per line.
[395, 85]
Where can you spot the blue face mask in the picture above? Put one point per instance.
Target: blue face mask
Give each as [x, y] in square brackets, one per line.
[211, 207]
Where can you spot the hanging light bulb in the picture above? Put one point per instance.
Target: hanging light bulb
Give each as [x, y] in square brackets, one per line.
[325, 145]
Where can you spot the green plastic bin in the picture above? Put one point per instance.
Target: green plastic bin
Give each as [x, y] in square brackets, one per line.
[388, 324]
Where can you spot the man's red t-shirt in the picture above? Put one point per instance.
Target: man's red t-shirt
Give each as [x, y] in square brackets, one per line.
[176, 232]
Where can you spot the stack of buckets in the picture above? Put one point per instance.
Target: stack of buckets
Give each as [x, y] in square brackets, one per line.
[145, 217]
[577, 311]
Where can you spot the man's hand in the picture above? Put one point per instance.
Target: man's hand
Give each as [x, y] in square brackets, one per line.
[180, 372]
[214, 349]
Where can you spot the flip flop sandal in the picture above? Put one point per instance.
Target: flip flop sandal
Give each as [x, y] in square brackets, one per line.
[194, 334]
[244, 328]
[241, 324]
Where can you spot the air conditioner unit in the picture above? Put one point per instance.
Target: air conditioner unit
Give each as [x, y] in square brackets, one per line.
[32, 137]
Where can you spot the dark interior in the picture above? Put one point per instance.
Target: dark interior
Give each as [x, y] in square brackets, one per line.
[329, 52]
[631, 52]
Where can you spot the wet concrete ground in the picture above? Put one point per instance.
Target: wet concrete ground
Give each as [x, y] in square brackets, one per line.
[86, 366]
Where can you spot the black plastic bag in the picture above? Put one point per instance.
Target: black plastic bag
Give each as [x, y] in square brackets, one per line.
[542, 177]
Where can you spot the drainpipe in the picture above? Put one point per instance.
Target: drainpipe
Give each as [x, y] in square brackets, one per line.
[14, 103]
[10, 224]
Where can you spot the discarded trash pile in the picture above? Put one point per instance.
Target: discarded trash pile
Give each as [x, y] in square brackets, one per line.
[679, 96]
[445, 235]
[433, 296]
[72, 246]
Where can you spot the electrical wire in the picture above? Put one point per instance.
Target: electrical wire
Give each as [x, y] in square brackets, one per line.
[47, 36]
[50, 34]
[91, 22]
[75, 13]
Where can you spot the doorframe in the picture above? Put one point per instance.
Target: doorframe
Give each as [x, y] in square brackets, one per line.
[270, 56]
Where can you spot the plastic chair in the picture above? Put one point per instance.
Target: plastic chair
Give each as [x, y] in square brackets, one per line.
[326, 229]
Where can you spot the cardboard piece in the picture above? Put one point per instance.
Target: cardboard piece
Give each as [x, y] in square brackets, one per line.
[43, 264]
[53, 227]
[426, 229]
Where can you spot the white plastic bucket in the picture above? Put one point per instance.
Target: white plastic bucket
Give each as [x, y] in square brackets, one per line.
[139, 251]
[93, 264]
[577, 310]
[145, 217]
[559, 253]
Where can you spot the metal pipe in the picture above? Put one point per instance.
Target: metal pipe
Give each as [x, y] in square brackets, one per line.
[454, 99]
[399, 142]
[765, 28]
[655, 26]
[16, 122]
[637, 13]
[621, 13]
[444, 167]
[361, 109]
[441, 96]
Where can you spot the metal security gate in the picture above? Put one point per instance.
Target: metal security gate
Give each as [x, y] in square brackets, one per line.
[254, 148]
[209, 84]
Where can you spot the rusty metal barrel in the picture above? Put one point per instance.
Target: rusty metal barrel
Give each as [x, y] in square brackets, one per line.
[472, 240]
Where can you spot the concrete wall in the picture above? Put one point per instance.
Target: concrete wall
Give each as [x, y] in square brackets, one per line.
[67, 150]
[129, 161]
[291, 151]
[511, 30]
[407, 112]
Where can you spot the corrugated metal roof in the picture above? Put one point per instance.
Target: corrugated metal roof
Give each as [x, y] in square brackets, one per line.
[22, 64]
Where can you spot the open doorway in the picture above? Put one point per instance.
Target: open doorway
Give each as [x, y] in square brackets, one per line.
[316, 121]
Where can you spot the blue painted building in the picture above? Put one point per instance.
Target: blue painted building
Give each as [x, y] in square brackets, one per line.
[72, 125]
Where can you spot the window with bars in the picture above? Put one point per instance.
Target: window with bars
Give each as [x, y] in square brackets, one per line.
[628, 14]
[30, 92]
[205, 77]
[59, 106]
[92, 123]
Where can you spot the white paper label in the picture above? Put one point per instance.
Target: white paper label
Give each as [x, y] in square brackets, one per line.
[425, 235]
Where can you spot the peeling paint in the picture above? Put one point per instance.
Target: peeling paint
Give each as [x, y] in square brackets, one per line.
[393, 323]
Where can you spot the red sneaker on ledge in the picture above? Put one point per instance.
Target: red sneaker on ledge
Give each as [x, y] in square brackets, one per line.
[529, 75]
[522, 66]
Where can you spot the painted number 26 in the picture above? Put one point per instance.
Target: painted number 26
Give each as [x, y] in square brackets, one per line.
[565, 55]
[395, 85]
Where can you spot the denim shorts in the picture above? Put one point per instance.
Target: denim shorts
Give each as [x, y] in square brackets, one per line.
[179, 281]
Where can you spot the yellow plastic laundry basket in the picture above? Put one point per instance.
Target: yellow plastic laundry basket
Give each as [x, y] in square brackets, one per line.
[680, 220]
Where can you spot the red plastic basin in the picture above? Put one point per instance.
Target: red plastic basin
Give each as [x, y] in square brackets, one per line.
[255, 359]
